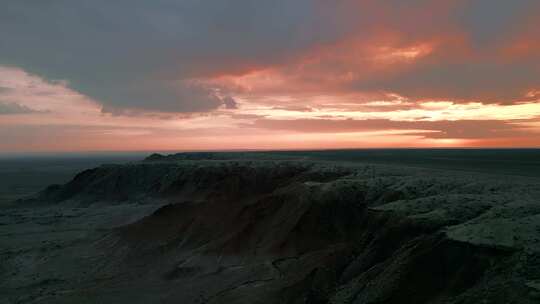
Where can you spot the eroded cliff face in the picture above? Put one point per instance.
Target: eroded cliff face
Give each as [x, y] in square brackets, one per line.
[225, 231]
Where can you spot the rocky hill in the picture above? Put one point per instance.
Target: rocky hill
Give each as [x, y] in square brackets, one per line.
[211, 230]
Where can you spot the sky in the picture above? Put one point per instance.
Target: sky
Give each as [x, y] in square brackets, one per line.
[135, 75]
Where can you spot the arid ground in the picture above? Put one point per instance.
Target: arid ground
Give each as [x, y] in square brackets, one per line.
[379, 226]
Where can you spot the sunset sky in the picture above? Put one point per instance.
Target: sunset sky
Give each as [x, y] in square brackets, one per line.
[159, 75]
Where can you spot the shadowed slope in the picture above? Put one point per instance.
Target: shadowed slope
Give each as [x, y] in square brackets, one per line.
[304, 232]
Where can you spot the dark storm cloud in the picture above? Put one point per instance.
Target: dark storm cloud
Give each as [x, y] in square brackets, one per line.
[137, 54]
[491, 21]
[142, 55]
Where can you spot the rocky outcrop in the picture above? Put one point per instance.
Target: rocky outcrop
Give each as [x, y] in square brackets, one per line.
[307, 232]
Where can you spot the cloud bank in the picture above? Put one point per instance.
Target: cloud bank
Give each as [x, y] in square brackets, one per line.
[140, 54]
[266, 71]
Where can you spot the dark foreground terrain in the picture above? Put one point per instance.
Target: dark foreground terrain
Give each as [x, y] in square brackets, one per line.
[21, 176]
[278, 228]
